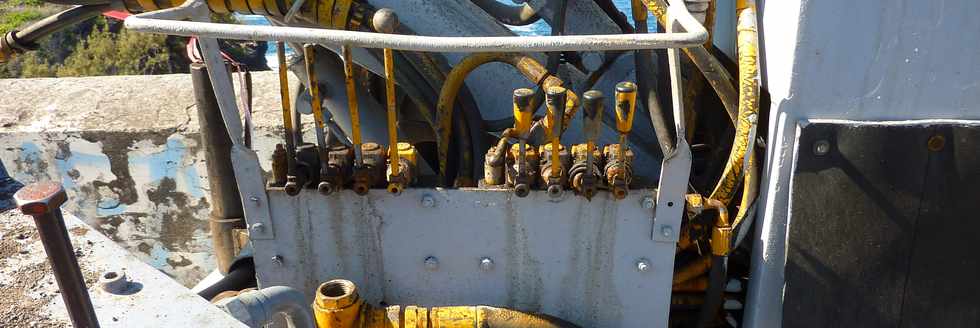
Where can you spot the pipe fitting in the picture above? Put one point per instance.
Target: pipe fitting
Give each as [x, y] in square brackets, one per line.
[585, 178]
[258, 308]
[618, 170]
[522, 179]
[371, 172]
[340, 165]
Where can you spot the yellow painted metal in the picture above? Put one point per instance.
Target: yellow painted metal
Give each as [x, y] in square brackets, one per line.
[258, 7]
[527, 66]
[625, 110]
[239, 6]
[341, 11]
[554, 112]
[392, 112]
[217, 6]
[355, 116]
[324, 13]
[748, 106]
[337, 305]
[710, 67]
[148, 5]
[692, 270]
[721, 234]
[523, 113]
[408, 152]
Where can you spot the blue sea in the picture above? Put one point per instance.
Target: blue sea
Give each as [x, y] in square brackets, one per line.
[538, 28]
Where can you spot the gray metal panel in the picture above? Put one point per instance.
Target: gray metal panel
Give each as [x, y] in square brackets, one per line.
[852, 60]
[573, 259]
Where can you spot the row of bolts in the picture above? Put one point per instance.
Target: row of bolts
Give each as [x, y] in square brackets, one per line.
[402, 156]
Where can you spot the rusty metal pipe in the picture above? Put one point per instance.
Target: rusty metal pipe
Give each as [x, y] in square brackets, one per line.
[227, 212]
[43, 200]
[337, 305]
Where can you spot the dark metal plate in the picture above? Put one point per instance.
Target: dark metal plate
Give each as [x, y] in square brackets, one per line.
[882, 227]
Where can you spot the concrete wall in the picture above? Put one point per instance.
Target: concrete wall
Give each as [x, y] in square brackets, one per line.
[127, 150]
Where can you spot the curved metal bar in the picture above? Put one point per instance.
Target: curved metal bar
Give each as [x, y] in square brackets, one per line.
[163, 22]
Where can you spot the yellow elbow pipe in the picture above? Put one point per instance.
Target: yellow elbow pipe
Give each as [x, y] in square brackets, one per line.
[527, 66]
[337, 305]
[748, 106]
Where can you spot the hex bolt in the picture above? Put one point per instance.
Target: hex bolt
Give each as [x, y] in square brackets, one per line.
[43, 200]
[486, 264]
[114, 282]
[648, 203]
[428, 201]
[431, 263]
[666, 231]
[643, 265]
[277, 260]
[821, 147]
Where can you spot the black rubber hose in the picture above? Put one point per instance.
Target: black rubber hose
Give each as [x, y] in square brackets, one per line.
[663, 125]
[241, 276]
[53, 23]
[715, 293]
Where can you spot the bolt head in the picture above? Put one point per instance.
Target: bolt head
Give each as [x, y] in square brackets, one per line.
[40, 198]
[258, 227]
[486, 264]
[431, 263]
[648, 202]
[821, 147]
[428, 201]
[643, 265]
[666, 231]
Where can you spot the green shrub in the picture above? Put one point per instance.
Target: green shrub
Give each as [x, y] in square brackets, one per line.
[12, 20]
[123, 53]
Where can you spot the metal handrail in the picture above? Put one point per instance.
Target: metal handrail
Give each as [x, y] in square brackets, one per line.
[170, 22]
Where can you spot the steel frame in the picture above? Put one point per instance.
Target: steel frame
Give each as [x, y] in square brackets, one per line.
[664, 223]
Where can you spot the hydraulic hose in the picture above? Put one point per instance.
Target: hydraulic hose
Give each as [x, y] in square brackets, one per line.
[748, 63]
[710, 67]
[241, 276]
[662, 125]
[338, 305]
[715, 293]
[520, 15]
[526, 65]
[18, 41]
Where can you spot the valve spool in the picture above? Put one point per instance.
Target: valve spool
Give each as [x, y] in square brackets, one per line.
[564, 162]
[618, 170]
[371, 172]
[340, 165]
[522, 182]
[583, 183]
[408, 164]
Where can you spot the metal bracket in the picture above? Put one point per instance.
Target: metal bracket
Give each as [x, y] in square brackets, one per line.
[676, 168]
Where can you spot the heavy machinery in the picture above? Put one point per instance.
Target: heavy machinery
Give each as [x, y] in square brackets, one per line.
[603, 176]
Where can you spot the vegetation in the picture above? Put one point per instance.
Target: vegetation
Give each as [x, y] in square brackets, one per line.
[103, 47]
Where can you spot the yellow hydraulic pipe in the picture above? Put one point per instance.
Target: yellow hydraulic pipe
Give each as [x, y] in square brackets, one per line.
[355, 116]
[385, 21]
[337, 305]
[333, 14]
[526, 65]
[748, 106]
[710, 67]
